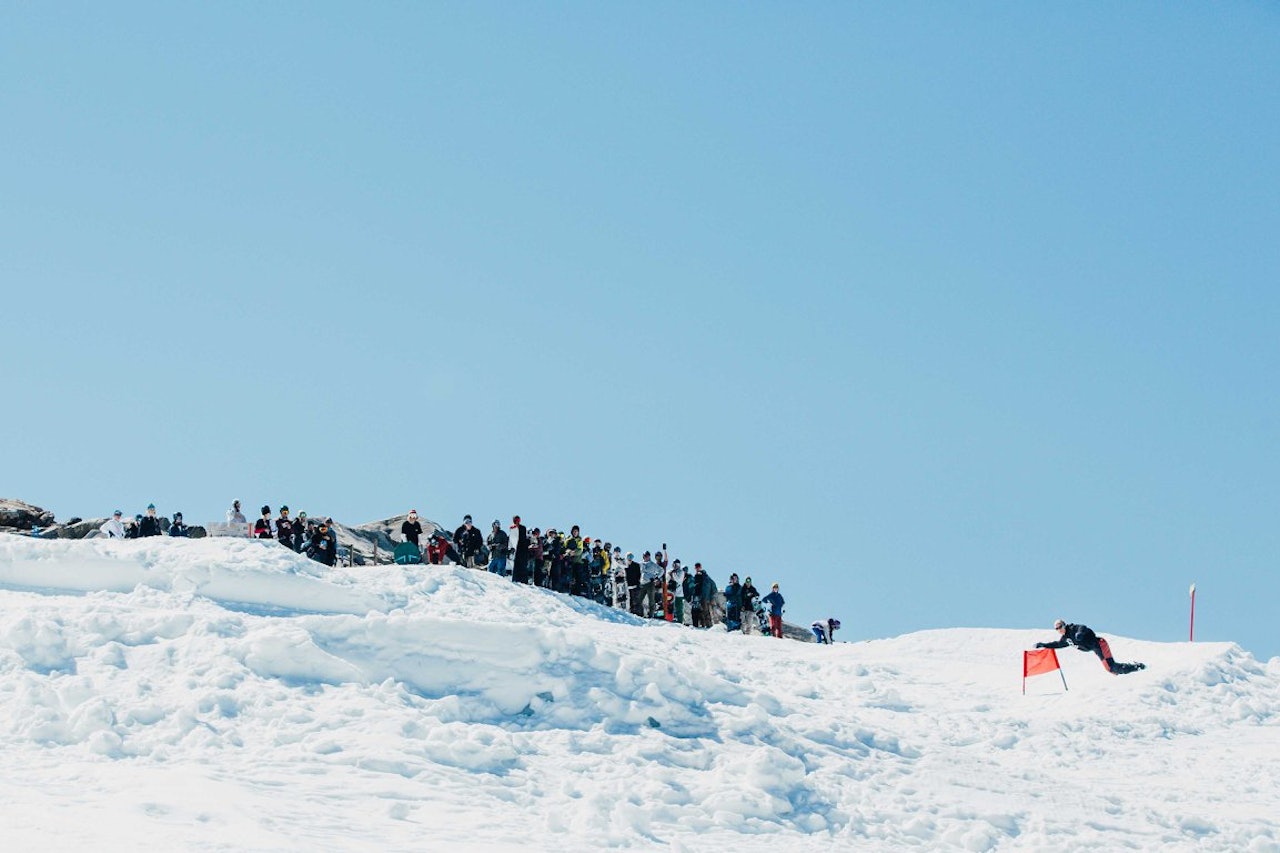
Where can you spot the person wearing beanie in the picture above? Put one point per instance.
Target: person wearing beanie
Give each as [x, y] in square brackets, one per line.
[412, 528]
[498, 543]
[824, 631]
[113, 528]
[1084, 639]
[775, 602]
[303, 528]
[675, 583]
[750, 595]
[703, 596]
[262, 527]
[733, 603]
[149, 525]
[178, 528]
[467, 541]
[635, 579]
[284, 528]
[650, 574]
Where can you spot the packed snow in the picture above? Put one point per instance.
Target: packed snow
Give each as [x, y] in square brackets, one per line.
[218, 694]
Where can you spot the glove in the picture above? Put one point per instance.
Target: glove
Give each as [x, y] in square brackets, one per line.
[1040, 645]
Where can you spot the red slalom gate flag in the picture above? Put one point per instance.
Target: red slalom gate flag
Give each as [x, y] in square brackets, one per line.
[1040, 662]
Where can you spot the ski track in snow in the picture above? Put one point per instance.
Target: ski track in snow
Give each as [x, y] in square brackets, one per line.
[230, 695]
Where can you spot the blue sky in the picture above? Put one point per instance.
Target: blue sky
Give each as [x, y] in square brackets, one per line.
[938, 315]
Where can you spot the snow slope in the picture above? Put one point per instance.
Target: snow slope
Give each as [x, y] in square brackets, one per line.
[230, 695]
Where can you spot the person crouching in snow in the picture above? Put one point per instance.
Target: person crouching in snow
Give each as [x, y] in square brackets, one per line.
[824, 632]
[1083, 638]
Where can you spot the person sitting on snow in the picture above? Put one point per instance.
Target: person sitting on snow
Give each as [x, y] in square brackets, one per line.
[1083, 638]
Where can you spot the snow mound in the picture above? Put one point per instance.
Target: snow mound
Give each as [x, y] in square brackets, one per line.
[217, 694]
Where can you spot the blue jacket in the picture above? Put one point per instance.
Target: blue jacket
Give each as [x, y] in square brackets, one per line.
[775, 602]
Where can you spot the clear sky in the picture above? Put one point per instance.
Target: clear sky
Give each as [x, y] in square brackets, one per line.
[937, 314]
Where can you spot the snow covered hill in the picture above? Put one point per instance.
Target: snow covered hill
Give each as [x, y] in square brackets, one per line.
[229, 695]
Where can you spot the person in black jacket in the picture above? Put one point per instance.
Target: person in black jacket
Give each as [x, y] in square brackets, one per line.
[704, 591]
[520, 568]
[412, 529]
[750, 595]
[178, 528]
[284, 528]
[633, 584]
[324, 545]
[1083, 638]
[468, 541]
[149, 525]
[302, 530]
[262, 527]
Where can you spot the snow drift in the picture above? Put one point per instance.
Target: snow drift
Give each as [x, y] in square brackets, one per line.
[226, 694]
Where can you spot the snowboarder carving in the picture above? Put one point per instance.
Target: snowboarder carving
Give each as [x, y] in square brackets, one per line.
[1084, 639]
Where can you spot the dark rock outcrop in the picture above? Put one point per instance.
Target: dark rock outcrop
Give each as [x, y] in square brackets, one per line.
[18, 515]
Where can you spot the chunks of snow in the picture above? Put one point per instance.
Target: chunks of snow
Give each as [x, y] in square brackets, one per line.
[222, 692]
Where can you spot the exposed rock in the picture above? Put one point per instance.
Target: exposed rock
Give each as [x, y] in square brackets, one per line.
[77, 528]
[19, 515]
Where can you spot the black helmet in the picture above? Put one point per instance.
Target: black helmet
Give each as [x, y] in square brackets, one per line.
[266, 510]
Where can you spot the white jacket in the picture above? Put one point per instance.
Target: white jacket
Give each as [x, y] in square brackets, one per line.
[650, 571]
[113, 529]
[675, 582]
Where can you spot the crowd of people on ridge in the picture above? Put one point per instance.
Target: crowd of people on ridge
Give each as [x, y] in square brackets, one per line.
[652, 586]
[305, 535]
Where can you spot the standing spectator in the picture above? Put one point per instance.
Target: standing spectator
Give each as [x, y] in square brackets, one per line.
[234, 515]
[149, 525]
[132, 527]
[775, 602]
[606, 575]
[284, 528]
[749, 597]
[536, 572]
[178, 528]
[498, 543]
[520, 569]
[467, 542]
[704, 590]
[650, 574]
[581, 569]
[323, 547]
[572, 576]
[635, 585]
[302, 530]
[660, 587]
[412, 529]
[733, 604]
[557, 576]
[675, 583]
[113, 527]
[262, 527]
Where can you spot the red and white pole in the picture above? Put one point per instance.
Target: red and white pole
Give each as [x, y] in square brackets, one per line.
[1193, 613]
